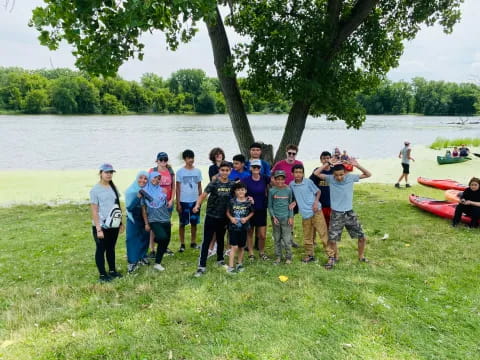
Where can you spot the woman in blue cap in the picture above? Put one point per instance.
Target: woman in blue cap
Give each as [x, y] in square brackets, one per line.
[106, 222]
[137, 237]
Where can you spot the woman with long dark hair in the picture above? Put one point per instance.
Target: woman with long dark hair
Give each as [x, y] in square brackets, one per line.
[106, 222]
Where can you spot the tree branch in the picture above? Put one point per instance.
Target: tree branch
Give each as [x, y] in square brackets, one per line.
[333, 15]
[347, 26]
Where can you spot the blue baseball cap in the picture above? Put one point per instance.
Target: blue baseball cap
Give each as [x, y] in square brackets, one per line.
[106, 167]
[162, 155]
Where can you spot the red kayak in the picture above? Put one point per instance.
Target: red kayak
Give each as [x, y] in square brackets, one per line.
[445, 184]
[440, 208]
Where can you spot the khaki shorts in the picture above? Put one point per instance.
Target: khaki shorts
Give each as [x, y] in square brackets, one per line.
[347, 219]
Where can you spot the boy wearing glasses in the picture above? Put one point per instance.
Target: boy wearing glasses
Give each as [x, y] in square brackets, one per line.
[287, 164]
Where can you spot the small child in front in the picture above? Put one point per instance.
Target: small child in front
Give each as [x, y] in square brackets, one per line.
[239, 212]
[279, 199]
[341, 196]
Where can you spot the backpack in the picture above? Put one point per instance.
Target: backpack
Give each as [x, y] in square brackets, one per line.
[114, 217]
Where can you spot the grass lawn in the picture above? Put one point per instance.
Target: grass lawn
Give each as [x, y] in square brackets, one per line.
[416, 299]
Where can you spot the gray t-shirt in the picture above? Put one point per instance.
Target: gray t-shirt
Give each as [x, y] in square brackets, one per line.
[189, 179]
[341, 193]
[404, 152]
[104, 197]
[160, 214]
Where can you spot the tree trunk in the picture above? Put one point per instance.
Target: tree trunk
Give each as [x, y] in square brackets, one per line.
[222, 57]
[292, 134]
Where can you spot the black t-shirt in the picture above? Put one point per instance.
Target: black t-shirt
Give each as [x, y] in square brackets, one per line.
[239, 209]
[323, 186]
[468, 194]
[220, 195]
[212, 171]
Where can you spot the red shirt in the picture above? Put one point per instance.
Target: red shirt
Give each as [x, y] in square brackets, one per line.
[285, 166]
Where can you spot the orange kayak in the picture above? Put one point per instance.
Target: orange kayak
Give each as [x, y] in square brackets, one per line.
[453, 195]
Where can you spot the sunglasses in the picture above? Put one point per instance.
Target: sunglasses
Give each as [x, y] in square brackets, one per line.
[255, 167]
[291, 153]
[163, 159]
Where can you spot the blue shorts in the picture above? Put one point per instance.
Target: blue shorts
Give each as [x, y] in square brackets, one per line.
[187, 216]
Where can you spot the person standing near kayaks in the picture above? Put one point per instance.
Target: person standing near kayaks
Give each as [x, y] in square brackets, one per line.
[406, 155]
[106, 222]
[137, 237]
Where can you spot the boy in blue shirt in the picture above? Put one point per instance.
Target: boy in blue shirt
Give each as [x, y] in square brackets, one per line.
[307, 197]
[238, 172]
[189, 187]
[341, 197]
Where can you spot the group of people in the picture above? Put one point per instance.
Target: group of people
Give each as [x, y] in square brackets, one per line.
[461, 151]
[469, 200]
[240, 196]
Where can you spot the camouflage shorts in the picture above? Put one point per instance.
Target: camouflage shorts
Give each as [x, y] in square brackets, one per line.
[347, 219]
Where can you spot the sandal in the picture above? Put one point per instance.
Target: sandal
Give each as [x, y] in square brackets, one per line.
[330, 264]
[251, 257]
[264, 257]
[364, 260]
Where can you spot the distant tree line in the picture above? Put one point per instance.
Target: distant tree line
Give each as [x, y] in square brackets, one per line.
[65, 91]
[423, 97]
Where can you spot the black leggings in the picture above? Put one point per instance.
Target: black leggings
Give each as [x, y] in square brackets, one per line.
[469, 210]
[217, 227]
[162, 232]
[105, 246]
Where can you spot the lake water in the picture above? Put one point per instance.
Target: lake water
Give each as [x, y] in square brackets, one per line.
[83, 142]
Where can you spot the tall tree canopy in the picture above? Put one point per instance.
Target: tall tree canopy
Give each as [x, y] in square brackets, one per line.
[318, 53]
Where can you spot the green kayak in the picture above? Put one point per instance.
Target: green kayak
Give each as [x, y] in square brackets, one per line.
[451, 160]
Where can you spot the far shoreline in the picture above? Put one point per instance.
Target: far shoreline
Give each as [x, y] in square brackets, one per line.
[55, 187]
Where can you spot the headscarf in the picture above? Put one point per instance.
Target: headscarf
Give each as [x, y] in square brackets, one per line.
[156, 192]
[132, 191]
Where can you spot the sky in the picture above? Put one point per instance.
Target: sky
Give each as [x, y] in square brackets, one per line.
[433, 54]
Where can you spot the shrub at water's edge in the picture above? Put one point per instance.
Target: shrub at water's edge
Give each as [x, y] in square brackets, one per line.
[442, 143]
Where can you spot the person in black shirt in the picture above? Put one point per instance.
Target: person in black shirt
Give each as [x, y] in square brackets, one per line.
[219, 195]
[469, 204]
[239, 212]
[216, 156]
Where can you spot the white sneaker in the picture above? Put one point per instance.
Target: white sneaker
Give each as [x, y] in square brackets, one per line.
[158, 267]
[211, 253]
[227, 253]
